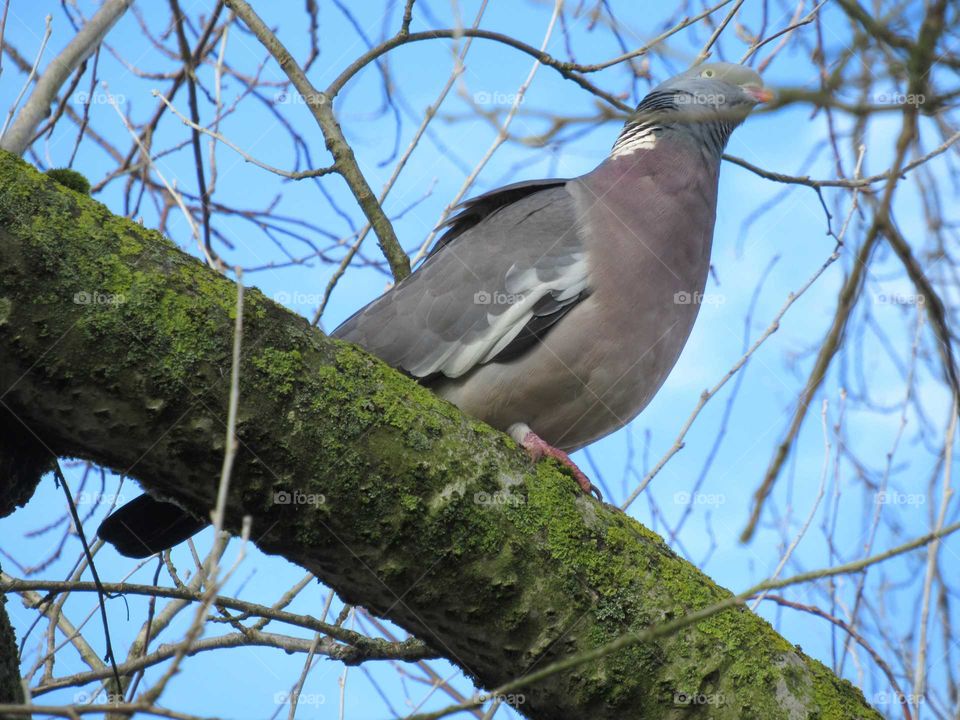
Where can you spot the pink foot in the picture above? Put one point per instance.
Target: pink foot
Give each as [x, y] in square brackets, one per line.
[538, 448]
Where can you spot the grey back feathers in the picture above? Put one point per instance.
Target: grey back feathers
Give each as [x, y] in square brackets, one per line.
[512, 258]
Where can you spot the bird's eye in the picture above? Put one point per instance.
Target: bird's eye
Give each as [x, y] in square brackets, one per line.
[707, 74]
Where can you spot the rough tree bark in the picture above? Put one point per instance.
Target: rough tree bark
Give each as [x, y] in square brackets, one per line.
[116, 349]
[10, 689]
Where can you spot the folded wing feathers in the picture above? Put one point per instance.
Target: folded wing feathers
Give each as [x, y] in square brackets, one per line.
[515, 264]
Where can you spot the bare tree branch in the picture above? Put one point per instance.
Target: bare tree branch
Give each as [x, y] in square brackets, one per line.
[83, 44]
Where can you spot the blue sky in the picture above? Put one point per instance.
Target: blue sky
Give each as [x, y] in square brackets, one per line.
[780, 250]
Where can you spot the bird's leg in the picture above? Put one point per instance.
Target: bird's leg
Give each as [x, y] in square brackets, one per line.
[538, 448]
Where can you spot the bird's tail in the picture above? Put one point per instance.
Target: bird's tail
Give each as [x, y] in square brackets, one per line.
[145, 526]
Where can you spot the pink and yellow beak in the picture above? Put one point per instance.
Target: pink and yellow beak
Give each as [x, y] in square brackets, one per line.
[759, 93]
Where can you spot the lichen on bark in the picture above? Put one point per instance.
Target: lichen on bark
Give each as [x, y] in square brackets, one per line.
[117, 350]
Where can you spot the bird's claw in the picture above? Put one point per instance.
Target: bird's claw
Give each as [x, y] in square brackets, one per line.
[538, 448]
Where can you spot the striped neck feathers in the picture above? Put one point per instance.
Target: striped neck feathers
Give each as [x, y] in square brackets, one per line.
[668, 113]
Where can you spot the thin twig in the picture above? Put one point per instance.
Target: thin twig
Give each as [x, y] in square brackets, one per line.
[145, 153]
[813, 508]
[101, 593]
[920, 671]
[428, 116]
[501, 133]
[293, 175]
[705, 52]
[80, 47]
[12, 142]
[320, 105]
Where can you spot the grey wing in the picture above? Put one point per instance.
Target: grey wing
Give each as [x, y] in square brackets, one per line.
[512, 268]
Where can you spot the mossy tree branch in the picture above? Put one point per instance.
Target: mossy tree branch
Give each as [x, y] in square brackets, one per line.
[117, 350]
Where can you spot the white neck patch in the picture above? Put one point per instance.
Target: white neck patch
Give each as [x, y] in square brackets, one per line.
[638, 138]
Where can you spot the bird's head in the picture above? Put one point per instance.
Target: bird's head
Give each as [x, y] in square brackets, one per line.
[709, 91]
[708, 101]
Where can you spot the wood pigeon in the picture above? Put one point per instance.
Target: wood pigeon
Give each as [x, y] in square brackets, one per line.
[553, 309]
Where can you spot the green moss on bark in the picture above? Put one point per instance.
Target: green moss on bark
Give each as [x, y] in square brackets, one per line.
[71, 179]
